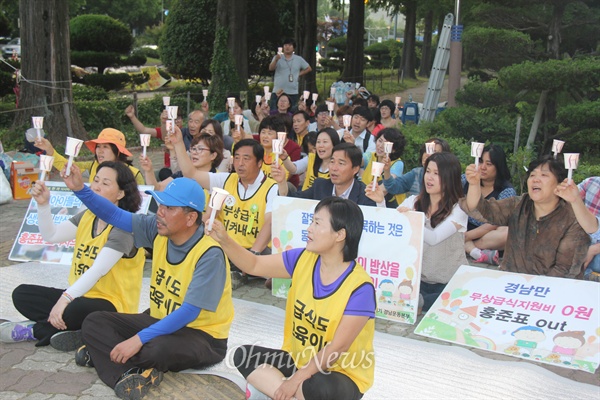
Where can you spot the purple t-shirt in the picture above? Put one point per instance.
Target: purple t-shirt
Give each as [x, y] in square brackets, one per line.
[361, 302]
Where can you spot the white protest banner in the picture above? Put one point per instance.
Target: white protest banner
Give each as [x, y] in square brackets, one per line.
[29, 245]
[389, 250]
[550, 320]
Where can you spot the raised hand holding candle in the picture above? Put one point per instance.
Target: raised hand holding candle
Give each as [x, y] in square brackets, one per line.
[217, 198]
[145, 142]
[231, 102]
[315, 96]
[388, 147]
[238, 119]
[332, 92]
[330, 107]
[268, 95]
[170, 125]
[477, 152]
[557, 146]
[72, 150]
[347, 120]
[376, 171]
[258, 98]
[280, 50]
[38, 124]
[277, 149]
[267, 89]
[45, 165]
[282, 136]
[571, 163]
[205, 94]
[398, 100]
[172, 112]
[166, 101]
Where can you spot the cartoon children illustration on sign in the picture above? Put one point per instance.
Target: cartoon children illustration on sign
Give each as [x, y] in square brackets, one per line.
[387, 290]
[566, 345]
[405, 289]
[527, 339]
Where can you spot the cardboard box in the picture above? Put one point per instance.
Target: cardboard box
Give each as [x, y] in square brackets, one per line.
[22, 176]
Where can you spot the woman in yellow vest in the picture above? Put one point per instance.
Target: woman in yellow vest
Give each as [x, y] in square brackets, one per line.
[394, 166]
[329, 325]
[109, 146]
[106, 272]
[316, 165]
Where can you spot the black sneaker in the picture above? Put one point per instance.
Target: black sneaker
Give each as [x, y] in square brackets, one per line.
[82, 357]
[66, 340]
[135, 383]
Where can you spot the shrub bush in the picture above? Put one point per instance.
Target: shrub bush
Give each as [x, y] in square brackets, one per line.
[101, 60]
[136, 58]
[7, 83]
[108, 81]
[89, 93]
[100, 33]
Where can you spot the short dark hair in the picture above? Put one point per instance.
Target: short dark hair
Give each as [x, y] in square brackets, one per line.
[290, 41]
[345, 214]
[272, 122]
[374, 98]
[375, 115]
[351, 151]
[303, 113]
[363, 112]
[187, 210]
[215, 124]
[132, 200]
[310, 138]
[257, 149]
[397, 138]
[359, 101]
[556, 166]
[441, 142]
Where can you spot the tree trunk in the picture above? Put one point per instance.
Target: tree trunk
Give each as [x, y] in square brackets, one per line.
[537, 118]
[355, 45]
[427, 37]
[231, 14]
[409, 61]
[306, 39]
[554, 35]
[45, 89]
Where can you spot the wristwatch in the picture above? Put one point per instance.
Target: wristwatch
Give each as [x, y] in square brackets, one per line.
[257, 253]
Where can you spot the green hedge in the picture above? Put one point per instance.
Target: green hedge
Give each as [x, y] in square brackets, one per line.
[108, 81]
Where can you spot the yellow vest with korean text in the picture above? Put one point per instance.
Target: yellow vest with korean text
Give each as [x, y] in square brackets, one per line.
[169, 284]
[245, 218]
[123, 283]
[310, 173]
[311, 323]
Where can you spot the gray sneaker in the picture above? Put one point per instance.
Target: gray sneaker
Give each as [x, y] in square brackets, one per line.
[66, 340]
[238, 279]
[12, 332]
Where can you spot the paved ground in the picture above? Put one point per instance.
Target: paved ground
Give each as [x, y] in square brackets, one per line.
[27, 372]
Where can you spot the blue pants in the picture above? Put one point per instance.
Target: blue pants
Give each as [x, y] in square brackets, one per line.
[594, 265]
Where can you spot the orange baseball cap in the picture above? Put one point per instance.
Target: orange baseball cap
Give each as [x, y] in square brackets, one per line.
[109, 135]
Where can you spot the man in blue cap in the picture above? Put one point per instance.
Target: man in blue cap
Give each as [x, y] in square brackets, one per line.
[191, 309]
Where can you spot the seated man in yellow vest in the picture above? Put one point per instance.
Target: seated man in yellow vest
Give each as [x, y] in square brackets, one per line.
[191, 309]
[247, 219]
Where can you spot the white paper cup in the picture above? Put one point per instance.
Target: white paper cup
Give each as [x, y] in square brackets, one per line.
[217, 198]
[557, 146]
[357, 85]
[277, 146]
[347, 120]
[205, 94]
[430, 148]
[571, 160]
[330, 105]
[477, 149]
[332, 92]
[305, 95]
[280, 50]
[238, 119]
[267, 95]
[145, 139]
[258, 98]
[398, 100]
[73, 146]
[231, 102]
[38, 122]
[267, 89]
[281, 136]
[377, 168]
[166, 101]
[388, 147]
[172, 112]
[315, 96]
[46, 162]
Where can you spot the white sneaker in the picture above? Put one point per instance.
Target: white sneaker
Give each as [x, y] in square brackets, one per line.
[11, 332]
